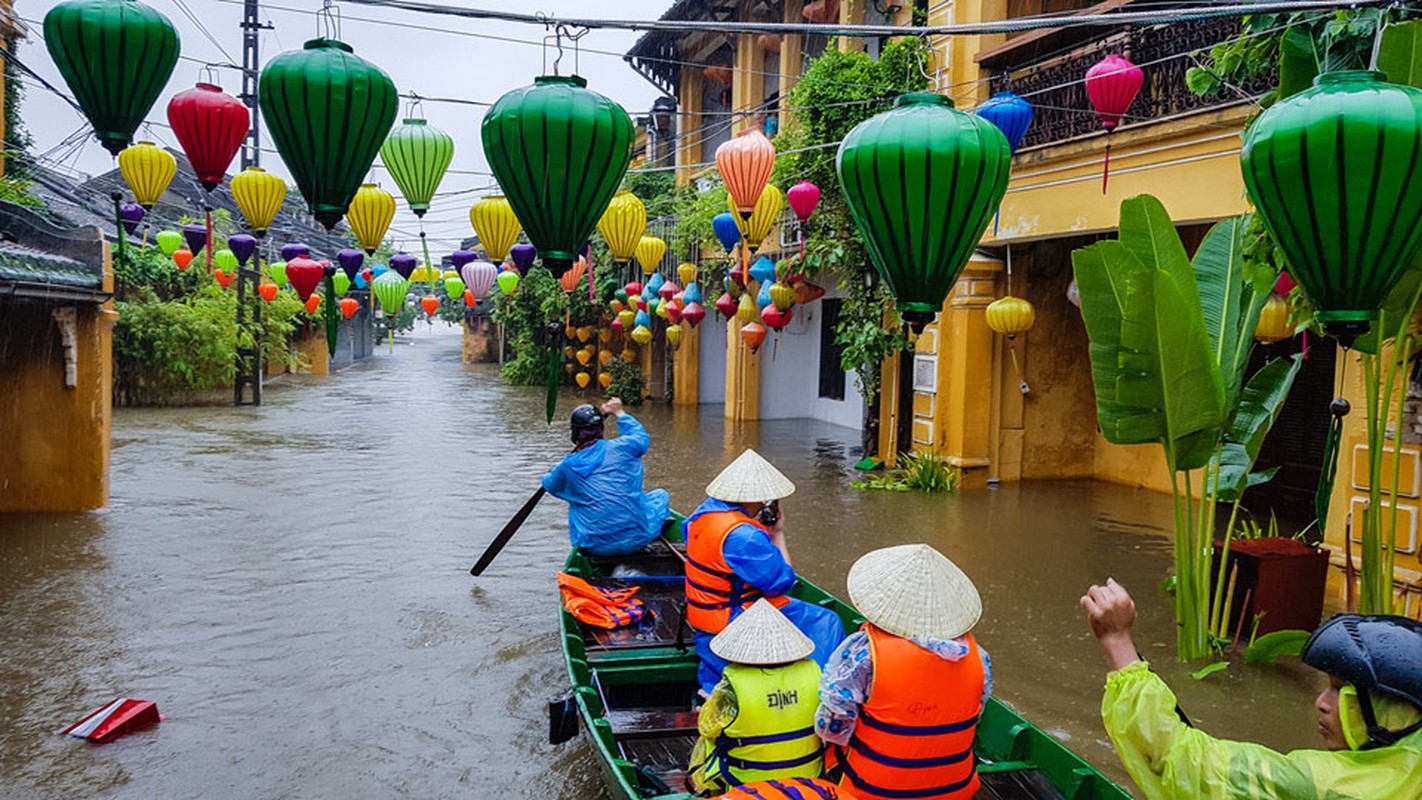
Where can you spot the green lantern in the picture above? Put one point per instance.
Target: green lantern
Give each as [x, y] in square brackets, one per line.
[454, 288]
[390, 290]
[225, 260]
[559, 151]
[116, 56]
[417, 154]
[169, 242]
[341, 283]
[1335, 174]
[277, 270]
[922, 181]
[328, 111]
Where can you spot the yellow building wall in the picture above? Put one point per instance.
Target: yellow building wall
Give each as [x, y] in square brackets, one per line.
[55, 441]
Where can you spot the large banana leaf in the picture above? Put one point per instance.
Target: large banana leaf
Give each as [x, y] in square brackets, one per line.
[1232, 293]
[1148, 232]
[1400, 54]
[1259, 406]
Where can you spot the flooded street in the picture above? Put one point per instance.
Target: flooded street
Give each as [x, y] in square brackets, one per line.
[290, 584]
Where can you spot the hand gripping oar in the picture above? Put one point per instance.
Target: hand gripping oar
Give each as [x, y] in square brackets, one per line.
[507, 533]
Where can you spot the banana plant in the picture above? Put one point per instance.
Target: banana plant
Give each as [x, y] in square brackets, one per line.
[1170, 338]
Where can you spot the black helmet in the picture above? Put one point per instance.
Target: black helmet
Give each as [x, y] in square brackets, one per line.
[1374, 653]
[585, 416]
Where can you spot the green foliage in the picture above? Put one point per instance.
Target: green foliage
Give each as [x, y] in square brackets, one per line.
[657, 190]
[869, 329]
[146, 270]
[924, 472]
[1259, 406]
[538, 299]
[694, 213]
[1270, 646]
[17, 138]
[628, 382]
[1209, 669]
[17, 191]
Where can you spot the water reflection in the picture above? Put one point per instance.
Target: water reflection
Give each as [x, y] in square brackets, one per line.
[291, 585]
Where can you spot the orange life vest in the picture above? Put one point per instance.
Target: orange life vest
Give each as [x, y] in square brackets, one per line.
[914, 737]
[784, 789]
[712, 589]
[600, 606]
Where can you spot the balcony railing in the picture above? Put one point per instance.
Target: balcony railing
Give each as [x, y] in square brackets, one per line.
[1056, 88]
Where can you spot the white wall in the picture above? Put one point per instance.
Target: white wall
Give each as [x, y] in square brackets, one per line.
[711, 369]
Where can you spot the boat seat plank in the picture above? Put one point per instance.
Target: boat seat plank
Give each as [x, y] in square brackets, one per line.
[651, 723]
[666, 757]
[1025, 784]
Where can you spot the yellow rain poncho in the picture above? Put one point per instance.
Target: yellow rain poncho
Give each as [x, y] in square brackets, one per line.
[1172, 761]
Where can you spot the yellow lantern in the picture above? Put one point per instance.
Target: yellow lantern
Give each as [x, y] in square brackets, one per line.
[1274, 321]
[585, 333]
[746, 311]
[626, 316]
[147, 169]
[629, 355]
[604, 379]
[583, 379]
[584, 356]
[259, 195]
[622, 225]
[641, 334]
[650, 251]
[674, 336]
[762, 219]
[604, 356]
[783, 296]
[687, 272]
[496, 225]
[1010, 316]
[423, 274]
[662, 310]
[369, 216]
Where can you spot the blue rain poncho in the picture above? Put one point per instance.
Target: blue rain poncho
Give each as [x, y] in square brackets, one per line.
[1171, 761]
[608, 513]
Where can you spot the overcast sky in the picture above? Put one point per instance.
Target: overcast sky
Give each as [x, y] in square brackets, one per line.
[435, 56]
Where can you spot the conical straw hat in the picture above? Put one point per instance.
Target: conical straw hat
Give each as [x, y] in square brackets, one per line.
[750, 479]
[762, 635]
[914, 591]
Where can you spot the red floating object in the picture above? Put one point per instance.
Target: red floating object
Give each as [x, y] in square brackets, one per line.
[693, 313]
[469, 299]
[668, 290]
[367, 274]
[738, 274]
[182, 257]
[116, 719]
[223, 278]
[1284, 284]
[349, 306]
[430, 304]
[210, 125]
[633, 289]
[617, 326]
[1112, 86]
[775, 318]
[312, 303]
[726, 305]
[304, 275]
[674, 313]
[268, 290]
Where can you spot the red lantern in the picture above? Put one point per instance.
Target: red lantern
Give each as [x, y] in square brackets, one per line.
[726, 305]
[312, 303]
[223, 279]
[674, 314]
[367, 274]
[469, 299]
[668, 290]
[633, 289]
[753, 334]
[304, 275]
[1112, 86]
[738, 275]
[210, 125]
[182, 257]
[617, 326]
[693, 313]
[1284, 284]
[803, 197]
[268, 291]
[349, 306]
[430, 304]
[775, 318]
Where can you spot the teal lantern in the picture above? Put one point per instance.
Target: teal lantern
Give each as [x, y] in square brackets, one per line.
[116, 56]
[1335, 174]
[922, 181]
[328, 111]
[417, 154]
[559, 151]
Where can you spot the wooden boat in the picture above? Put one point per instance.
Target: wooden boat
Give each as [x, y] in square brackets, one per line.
[633, 688]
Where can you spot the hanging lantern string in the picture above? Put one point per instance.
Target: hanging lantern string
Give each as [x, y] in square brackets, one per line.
[328, 21]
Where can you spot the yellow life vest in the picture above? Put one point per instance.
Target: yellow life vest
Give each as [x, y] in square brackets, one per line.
[773, 735]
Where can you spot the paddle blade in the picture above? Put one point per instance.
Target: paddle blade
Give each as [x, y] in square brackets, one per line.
[506, 534]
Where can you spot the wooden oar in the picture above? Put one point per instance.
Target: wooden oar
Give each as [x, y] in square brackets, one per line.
[507, 533]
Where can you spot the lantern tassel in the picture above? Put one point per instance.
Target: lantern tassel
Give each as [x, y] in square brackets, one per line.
[208, 244]
[1106, 167]
[330, 311]
[425, 245]
[592, 294]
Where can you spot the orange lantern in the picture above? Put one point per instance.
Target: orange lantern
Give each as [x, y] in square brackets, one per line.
[745, 163]
[569, 280]
[604, 379]
[604, 356]
[224, 279]
[430, 304]
[584, 356]
[182, 257]
[629, 355]
[753, 334]
[267, 290]
[469, 299]
[583, 379]
[312, 303]
[349, 306]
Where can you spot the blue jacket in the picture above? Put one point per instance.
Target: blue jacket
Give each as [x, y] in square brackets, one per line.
[608, 513]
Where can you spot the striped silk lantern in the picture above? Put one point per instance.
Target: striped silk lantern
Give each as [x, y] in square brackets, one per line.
[369, 215]
[745, 164]
[417, 154]
[259, 195]
[755, 226]
[496, 225]
[148, 170]
[622, 225]
[650, 251]
[1112, 85]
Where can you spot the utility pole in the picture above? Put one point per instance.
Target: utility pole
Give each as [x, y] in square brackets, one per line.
[249, 359]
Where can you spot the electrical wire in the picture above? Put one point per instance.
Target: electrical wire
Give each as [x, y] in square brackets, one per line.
[187, 12]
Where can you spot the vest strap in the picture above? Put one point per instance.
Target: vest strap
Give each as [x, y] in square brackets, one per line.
[792, 784]
[917, 730]
[909, 763]
[710, 570]
[769, 738]
[741, 763]
[908, 794]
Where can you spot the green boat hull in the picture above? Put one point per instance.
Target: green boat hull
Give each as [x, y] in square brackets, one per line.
[1016, 758]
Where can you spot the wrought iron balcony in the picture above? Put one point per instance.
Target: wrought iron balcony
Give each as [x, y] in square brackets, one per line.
[1054, 84]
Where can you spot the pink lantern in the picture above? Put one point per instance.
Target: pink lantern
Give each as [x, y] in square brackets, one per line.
[1112, 86]
[479, 277]
[693, 313]
[803, 197]
[673, 312]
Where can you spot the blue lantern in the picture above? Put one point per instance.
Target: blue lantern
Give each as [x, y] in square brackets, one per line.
[378, 270]
[642, 319]
[691, 294]
[763, 271]
[1010, 113]
[763, 299]
[726, 229]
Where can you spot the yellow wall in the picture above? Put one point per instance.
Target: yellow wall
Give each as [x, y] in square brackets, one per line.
[54, 441]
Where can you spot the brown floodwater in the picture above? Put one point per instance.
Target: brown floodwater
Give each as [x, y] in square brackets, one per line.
[290, 584]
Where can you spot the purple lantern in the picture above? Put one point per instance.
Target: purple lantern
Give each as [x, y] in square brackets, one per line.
[403, 263]
[242, 245]
[462, 257]
[522, 255]
[479, 278]
[350, 260]
[196, 236]
[131, 214]
[295, 250]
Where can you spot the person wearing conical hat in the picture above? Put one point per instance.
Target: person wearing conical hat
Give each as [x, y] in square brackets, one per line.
[759, 723]
[901, 697]
[601, 480]
[736, 554]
